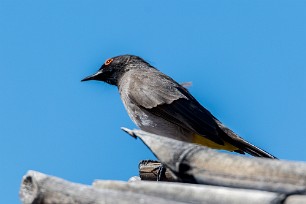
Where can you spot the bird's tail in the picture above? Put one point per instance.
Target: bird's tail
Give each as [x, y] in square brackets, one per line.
[253, 150]
[243, 145]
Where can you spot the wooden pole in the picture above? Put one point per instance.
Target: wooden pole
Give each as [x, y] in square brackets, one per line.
[197, 164]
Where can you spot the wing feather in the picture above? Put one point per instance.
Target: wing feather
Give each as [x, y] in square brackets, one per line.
[151, 88]
[163, 97]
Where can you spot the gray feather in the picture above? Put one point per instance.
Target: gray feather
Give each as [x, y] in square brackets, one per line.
[145, 90]
[161, 96]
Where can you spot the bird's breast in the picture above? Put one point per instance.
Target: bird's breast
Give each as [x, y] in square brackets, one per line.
[154, 124]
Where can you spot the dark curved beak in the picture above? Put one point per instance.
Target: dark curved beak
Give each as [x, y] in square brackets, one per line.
[92, 77]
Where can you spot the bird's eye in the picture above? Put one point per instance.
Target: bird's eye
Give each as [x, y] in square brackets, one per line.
[108, 61]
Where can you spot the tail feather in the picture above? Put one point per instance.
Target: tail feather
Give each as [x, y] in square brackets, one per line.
[231, 137]
[253, 150]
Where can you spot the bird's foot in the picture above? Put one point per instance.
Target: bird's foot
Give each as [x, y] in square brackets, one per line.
[160, 169]
[161, 172]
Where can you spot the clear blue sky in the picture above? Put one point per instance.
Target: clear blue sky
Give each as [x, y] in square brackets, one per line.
[247, 62]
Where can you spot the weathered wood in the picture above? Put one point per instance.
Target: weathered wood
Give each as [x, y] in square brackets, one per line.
[38, 188]
[149, 170]
[197, 164]
[295, 199]
[193, 193]
[220, 178]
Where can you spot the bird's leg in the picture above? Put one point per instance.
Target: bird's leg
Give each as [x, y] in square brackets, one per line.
[161, 170]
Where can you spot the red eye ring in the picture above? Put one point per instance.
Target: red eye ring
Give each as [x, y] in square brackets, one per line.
[108, 61]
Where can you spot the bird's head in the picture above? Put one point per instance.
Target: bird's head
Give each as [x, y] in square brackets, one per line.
[113, 68]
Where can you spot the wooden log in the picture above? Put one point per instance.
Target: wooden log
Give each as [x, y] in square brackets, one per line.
[193, 193]
[295, 199]
[149, 170]
[38, 188]
[197, 164]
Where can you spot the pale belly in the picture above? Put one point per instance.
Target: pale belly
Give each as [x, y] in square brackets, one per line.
[157, 125]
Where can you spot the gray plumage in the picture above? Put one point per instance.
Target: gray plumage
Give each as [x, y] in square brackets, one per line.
[158, 104]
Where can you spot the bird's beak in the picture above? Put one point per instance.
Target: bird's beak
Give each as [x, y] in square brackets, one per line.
[92, 77]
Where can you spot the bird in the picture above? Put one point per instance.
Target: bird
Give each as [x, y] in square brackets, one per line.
[158, 104]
